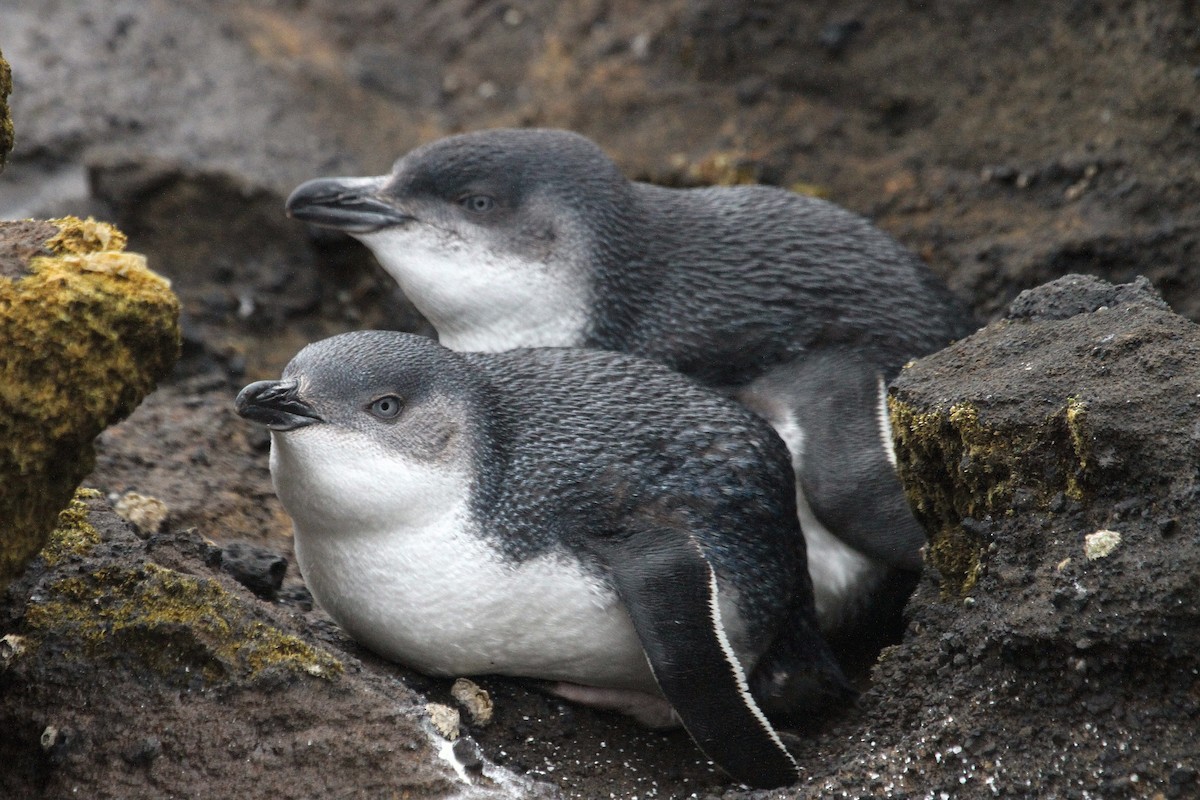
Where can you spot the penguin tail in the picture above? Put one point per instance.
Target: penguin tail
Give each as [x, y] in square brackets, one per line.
[798, 680]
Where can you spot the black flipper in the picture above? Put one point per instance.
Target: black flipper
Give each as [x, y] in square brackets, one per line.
[845, 471]
[670, 591]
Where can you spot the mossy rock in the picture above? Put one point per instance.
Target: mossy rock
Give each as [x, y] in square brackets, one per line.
[6, 126]
[187, 630]
[86, 331]
[1072, 403]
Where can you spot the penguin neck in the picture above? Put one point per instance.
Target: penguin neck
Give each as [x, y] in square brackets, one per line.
[478, 297]
[628, 267]
[344, 493]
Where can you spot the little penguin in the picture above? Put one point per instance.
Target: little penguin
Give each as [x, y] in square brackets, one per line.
[581, 517]
[800, 309]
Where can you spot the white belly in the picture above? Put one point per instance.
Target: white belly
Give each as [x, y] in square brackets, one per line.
[439, 601]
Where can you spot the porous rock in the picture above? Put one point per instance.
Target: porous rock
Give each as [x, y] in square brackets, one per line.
[1049, 409]
[1017, 445]
[86, 331]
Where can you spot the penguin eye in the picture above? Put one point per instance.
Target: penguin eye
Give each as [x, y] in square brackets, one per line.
[478, 203]
[386, 407]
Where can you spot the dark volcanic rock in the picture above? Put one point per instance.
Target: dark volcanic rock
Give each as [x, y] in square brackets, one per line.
[1079, 294]
[1056, 462]
[258, 569]
[1034, 414]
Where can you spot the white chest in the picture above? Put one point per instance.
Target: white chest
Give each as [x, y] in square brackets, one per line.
[439, 600]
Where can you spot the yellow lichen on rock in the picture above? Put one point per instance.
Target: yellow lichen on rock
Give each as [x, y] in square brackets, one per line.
[182, 627]
[85, 237]
[86, 331]
[6, 126]
[956, 465]
[73, 535]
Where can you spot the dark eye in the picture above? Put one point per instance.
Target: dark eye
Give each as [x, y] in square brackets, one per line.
[478, 203]
[386, 407]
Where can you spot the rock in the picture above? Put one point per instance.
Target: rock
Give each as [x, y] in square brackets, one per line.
[134, 665]
[258, 569]
[1095, 407]
[445, 720]
[161, 624]
[1079, 294]
[1100, 544]
[87, 332]
[6, 126]
[12, 647]
[1023, 448]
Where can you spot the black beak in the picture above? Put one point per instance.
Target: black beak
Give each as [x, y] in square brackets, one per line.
[276, 404]
[352, 205]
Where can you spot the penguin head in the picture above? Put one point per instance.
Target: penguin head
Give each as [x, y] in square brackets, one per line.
[369, 430]
[490, 234]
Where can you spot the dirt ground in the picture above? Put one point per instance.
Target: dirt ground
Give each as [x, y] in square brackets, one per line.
[1007, 144]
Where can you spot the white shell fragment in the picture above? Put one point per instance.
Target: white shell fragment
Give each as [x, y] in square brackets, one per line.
[444, 718]
[148, 514]
[474, 699]
[1100, 544]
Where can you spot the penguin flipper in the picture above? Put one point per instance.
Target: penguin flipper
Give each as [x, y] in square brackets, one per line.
[670, 592]
[837, 400]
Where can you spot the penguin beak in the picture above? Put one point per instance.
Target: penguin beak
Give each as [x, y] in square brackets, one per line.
[353, 205]
[276, 404]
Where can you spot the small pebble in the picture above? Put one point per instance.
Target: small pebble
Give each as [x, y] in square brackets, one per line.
[469, 753]
[258, 569]
[12, 647]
